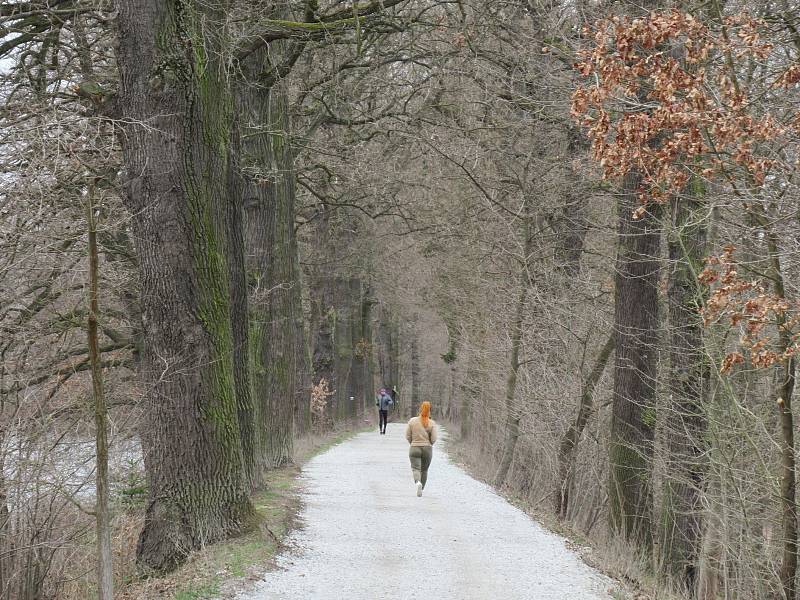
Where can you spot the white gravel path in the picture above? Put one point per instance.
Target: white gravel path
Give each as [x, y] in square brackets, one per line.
[366, 536]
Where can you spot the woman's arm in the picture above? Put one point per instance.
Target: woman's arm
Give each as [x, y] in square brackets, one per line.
[434, 431]
[408, 432]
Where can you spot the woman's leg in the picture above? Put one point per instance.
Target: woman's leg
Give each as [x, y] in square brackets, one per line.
[425, 459]
[415, 455]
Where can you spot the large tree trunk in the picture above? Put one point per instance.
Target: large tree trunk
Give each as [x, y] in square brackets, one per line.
[566, 451]
[685, 421]
[251, 435]
[636, 329]
[176, 110]
[272, 265]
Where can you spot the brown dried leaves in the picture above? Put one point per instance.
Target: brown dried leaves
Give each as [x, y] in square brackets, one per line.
[677, 111]
[747, 305]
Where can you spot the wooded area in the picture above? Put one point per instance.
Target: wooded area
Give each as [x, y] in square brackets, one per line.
[572, 226]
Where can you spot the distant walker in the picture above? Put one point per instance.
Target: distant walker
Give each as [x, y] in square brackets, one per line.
[383, 401]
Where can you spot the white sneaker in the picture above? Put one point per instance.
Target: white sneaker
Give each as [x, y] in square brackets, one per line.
[419, 488]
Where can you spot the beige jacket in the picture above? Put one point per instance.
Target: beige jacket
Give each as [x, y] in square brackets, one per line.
[417, 435]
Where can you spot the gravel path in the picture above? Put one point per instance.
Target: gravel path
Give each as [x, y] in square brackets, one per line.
[366, 536]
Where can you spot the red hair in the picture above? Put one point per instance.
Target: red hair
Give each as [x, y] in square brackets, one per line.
[425, 414]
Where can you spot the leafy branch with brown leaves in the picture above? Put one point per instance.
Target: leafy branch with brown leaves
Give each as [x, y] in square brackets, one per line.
[661, 97]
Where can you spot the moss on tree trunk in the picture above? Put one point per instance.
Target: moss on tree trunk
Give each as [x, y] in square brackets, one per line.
[177, 112]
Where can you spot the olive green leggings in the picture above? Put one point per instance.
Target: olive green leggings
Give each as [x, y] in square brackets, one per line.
[420, 461]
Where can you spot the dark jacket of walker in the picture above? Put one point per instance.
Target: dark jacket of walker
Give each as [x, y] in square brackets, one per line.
[384, 401]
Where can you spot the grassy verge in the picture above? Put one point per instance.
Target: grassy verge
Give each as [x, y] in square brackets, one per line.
[223, 569]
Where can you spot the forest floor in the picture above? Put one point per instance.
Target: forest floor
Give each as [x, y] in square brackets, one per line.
[224, 569]
[365, 535]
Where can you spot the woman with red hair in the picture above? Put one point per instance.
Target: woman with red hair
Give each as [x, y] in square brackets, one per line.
[421, 434]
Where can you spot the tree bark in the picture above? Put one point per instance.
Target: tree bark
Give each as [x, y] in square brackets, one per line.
[346, 310]
[636, 335]
[416, 397]
[272, 264]
[303, 377]
[513, 412]
[336, 307]
[785, 393]
[566, 451]
[357, 379]
[572, 225]
[323, 319]
[366, 349]
[466, 405]
[176, 110]
[685, 420]
[6, 547]
[251, 435]
[105, 573]
[788, 482]
[389, 353]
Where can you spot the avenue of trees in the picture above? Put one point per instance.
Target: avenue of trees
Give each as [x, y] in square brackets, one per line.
[572, 226]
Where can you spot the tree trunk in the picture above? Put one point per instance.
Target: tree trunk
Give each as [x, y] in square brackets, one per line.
[785, 393]
[272, 265]
[470, 391]
[302, 405]
[416, 397]
[573, 224]
[366, 351]
[6, 546]
[176, 110]
[357, 380]
[105, 573]
[251, 435]
[324, 320]
[685, 421]
[452, 408]
[388, 355]
[636, 329]
[341, 312]
[788, 482]
[337, 316]
[513, 413]
[566, 451]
